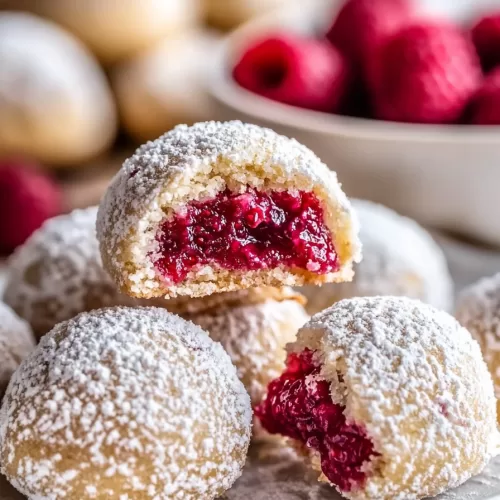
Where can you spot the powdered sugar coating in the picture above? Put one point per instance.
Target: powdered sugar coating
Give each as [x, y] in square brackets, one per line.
[195, 163]
[416, 381]
[478, 310]
[16, 342]
[399, 258]
[58, 273]
[125, 403]
[255, 337]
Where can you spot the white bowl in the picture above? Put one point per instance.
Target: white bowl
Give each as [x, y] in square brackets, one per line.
[444, 176]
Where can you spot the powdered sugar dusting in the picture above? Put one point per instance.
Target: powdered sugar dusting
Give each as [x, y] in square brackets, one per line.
[58, 273]
[16, 342]
[478, 309]
[416, 380]
[255, 337]
[133, 402]
[399, 258]
[193, 163]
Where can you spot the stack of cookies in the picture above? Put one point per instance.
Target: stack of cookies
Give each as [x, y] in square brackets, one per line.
[165, 315]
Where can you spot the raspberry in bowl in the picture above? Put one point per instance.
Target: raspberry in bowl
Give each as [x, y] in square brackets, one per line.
[405, 129]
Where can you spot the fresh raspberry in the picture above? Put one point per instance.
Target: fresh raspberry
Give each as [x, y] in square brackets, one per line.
[486, 38]
[485, 106]
[363, 24]
[27, 199]
[294, 70]
[425, 73]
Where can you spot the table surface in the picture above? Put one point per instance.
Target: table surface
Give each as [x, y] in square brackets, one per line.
[274, 473]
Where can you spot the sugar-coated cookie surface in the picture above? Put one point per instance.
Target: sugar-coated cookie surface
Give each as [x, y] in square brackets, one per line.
[125, 403]
[55, 103]
[58, 273]
[399, 258]
[255, 336]
[223, 206]
[478, 310]
[16, 342]
[391, 395]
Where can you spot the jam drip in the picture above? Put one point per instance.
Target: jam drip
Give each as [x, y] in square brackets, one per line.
[250, 231]
[299, 405]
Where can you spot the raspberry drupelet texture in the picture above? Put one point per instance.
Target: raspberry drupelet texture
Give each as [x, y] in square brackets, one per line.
[219, 207]
[425, 73]
[295, 70]
[125, 403]
[375, 391]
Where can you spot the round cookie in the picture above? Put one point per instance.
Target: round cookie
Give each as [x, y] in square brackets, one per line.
[227, 15]
[58, 273]
[255, 335]
[377, 388]
[16, 342]
[125, 403]
[218, 207]
[164, 86]
[116, 30]
[399, 258]
[478, 310]
[55, 103]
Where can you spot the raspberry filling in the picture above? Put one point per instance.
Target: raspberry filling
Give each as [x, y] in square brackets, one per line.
[250, 231]
[299, 405]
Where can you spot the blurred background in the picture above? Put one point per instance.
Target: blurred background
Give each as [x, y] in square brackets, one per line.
[400, 97]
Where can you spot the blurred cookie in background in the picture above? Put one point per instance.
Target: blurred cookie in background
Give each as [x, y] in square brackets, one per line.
[113, 29]
[16, 342]
[55, 103]
[227, 14]
[399, 258]
[165, 86]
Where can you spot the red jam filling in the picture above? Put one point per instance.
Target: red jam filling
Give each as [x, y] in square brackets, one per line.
[250, 231]
[299, 405]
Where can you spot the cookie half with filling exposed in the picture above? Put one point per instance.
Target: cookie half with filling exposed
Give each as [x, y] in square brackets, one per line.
[218, 207]
[388, 398]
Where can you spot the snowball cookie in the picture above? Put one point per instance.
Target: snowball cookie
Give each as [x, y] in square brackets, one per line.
[478, 309]
[392, 397]
[399, 258]
[218, 207]
[184, 306]
[125, 403]
[114, 29]
[57, 273]
[227, 15]
[255, 335]
[165, 86]
[55, 103]
[16, 342]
